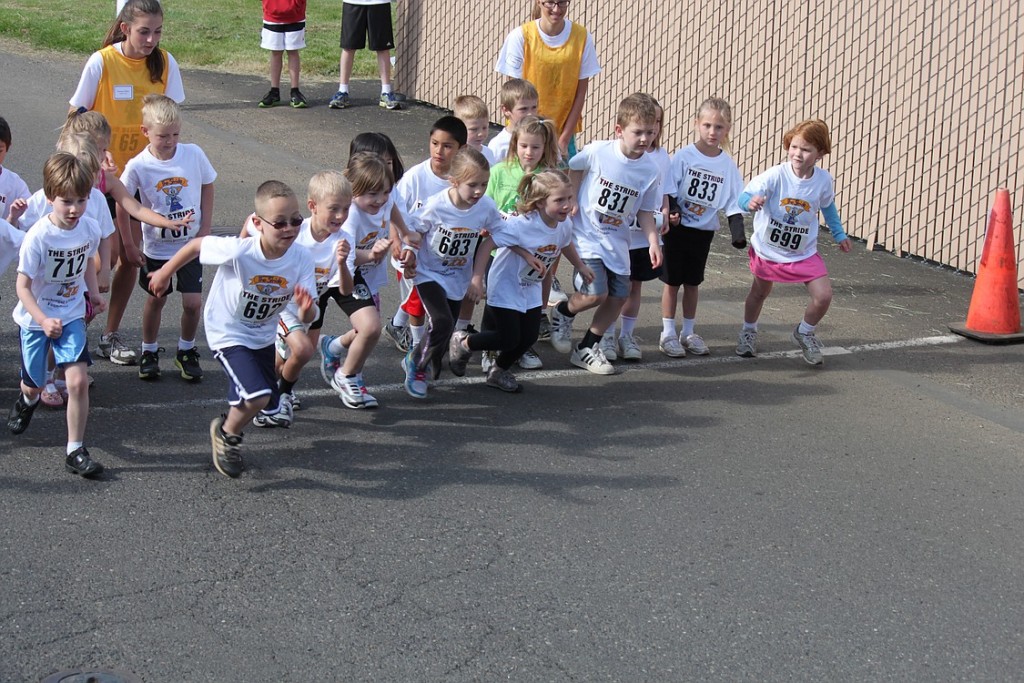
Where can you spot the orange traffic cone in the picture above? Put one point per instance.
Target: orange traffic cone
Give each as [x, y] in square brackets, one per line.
[994, 314]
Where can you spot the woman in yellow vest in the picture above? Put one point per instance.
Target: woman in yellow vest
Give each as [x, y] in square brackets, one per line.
[114, 81]
[559, 58]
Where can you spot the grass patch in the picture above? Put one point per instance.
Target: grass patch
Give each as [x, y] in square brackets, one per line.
[222, 35]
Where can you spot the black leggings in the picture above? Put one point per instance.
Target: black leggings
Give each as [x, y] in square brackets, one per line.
[508, 331]
[442, 313]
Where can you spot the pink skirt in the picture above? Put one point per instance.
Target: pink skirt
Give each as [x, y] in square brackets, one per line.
[811, 268]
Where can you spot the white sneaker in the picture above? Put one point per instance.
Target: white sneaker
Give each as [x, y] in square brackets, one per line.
[747, 345]
[629, 348]
[810, 345]
[530, 360]
[487, 359]
[556, 296]
[609, 347]
[592, 359]
[695, 345]
[348, 390]
[561, 331]
[112, 348]
[282, 418]
[671, 347]
[369, 401]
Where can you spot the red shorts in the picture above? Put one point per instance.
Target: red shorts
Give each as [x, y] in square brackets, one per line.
[411, 303]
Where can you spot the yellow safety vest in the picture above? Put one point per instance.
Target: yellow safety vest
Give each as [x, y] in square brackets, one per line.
[555, 72]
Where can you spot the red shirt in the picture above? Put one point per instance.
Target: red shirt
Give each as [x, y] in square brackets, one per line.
[284, 11]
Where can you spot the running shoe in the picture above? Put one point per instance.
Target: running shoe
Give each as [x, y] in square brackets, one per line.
[458, 355]
[671, 347]
[747, 346]
[609, 346]
[187, 363]
[271, 99]
[21, 415]
[339, 101]
[561, 331]
[298, 99]
[592, 359]
[368, 399]
[329, 362]
[112, 348]
[694, 344]
[810, 345]
[149, 364]
[503, 379]
[415, 380]
[227, 449]
[78, 462]
[629, 348]
[389, 101]
[348, 390]
[530, 360]
[399, 335]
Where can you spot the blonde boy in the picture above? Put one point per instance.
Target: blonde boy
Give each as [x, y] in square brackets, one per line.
[328, 198]
[518, 100]
[55, 275]
[255, 280]
[472, 111]
[175, 180]
[616, 182]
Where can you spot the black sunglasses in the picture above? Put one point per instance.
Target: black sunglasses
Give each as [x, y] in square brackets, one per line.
[295, 222]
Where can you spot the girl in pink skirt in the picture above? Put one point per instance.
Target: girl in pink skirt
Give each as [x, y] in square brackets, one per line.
[786, 200]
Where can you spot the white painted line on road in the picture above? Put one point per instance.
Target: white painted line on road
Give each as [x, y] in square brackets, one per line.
[676, 363]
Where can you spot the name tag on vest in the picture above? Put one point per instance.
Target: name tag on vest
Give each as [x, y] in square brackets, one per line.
[124, 92]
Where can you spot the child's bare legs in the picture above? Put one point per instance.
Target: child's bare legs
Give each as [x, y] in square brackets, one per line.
[294, 65]
[383, 66]
[361, 339]
[152, 312]
[466, 311]
[606, 314]
[276, 64]
[345, 66]
[302, 349]
[121, 285]
[759, 291]
[631, 308]
[77, 377]
[820, 291]
[243, 413]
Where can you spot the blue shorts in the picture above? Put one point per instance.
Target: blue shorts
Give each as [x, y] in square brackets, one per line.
[250, 374]
[68, 349]
[605, 281]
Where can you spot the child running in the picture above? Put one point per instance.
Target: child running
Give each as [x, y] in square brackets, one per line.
[528, 244]
[617, 183]
[255, 280]
[328, 198]
[452, 223]
[368, 230]
[627, 345]
[786, 200]
[14, 192]
[175, 180]
[55, 276]
[706, 181]
[533, 148]
[447, 136]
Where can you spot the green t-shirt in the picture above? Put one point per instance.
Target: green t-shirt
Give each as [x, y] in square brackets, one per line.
[504, 184]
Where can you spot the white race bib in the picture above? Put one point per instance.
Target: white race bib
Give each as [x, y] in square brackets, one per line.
[701, 187]
[529, 275]
[65, 265]
[449, 244]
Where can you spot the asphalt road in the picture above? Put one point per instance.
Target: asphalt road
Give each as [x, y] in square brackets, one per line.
[693, 519]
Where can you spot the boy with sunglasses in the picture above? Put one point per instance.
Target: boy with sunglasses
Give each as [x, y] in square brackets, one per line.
[176, 181]
[255, 280]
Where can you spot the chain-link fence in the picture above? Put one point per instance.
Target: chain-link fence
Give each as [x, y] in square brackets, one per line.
[925, 100]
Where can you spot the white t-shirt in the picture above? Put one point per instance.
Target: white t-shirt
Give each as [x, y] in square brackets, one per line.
[786, 229]
[511, 282]
[488, 154]
[499, 145]
[450, 238]
[614, 189]
[56, 260]
[11, 187]
[703, 186]
[362, 229]
[418, 185]
[10, 243]
[249, 290]
[325, 267]
[637, 238]
[85, 93]
[512, 54]
[96, 209]
[172, 188]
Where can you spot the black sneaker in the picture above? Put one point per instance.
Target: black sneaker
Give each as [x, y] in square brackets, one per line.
[81, 464]
[149, 364]
[227, 449]
[188, 363]
[298, 101]
[21, 415]
[271, 99]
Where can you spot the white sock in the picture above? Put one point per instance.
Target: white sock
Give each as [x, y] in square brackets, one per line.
[29, 401]
[150, 347]
[343, 87]
[74, 446]
[461, 324]
[687, 327]
[804, 328]
[628, 325]
[668, 327]
[186, 345]
[385, 88]
[749, 327]
[400, 318]
[336, 347]
[417, 333]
